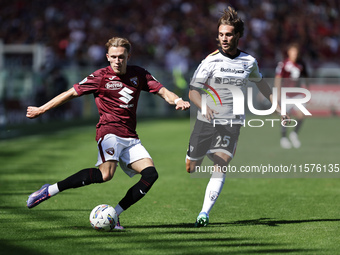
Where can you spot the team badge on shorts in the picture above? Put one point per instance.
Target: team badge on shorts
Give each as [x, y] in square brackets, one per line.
[110, 151]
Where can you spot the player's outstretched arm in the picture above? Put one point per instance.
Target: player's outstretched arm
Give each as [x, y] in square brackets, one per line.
[173, 99]
[33, 112]
[196, 98]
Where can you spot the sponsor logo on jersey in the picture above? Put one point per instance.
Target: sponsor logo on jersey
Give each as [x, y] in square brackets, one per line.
[110, 151]
[134, 81]
[230, 81]
[229, 70]
[113, 85]
[126, 105]
[126, 95]
[112, 78]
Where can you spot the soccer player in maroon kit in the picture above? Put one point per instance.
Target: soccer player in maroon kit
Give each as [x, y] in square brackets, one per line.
[116, 90]
[288, 74]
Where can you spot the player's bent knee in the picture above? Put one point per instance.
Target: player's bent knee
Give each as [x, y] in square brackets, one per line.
[190, 166]
[107, 177]
[150, 175]
[108, 170]
[187, 165]
[107, 174]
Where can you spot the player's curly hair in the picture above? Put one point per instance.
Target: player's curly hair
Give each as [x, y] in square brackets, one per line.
[230, 17]
[118, 42]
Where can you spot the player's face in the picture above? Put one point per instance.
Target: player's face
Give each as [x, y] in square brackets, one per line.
[118, 57]
[293, 54]
[228, 39]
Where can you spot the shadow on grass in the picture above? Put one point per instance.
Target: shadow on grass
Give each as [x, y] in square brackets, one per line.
[261, 221]
[270, 222]
[165, 238]
[9, 249]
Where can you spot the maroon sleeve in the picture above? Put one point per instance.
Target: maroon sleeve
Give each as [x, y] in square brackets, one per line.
[152, 85]
[89, 84]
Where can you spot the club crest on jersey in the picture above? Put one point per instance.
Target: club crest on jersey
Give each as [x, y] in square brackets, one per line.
[245, 64]
[110, 151]
[134, 81]
[113, 85]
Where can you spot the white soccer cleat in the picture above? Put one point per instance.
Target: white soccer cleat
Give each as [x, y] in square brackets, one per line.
[202, 220]
[285, 143]
[293, 137]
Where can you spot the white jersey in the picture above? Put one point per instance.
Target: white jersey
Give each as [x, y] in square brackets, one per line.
[218, 71]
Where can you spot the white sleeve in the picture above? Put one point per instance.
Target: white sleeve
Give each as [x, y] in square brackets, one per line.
[278, 69]
[201, 74]
[255, 75]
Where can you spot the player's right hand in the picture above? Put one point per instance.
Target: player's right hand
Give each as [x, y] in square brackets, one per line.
[33, 112]
[210, 114]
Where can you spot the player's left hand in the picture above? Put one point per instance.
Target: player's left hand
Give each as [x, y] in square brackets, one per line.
[285, 119]
[182, 105]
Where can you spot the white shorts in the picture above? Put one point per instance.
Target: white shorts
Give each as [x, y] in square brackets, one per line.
[292, 107]
[124, 150]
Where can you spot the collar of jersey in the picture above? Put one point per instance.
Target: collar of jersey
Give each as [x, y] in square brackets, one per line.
[228, 55]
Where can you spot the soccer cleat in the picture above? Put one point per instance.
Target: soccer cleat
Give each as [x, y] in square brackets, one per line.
[285, 143]
[202, 220]
[293, 137]
[118, 226]
[39, 196]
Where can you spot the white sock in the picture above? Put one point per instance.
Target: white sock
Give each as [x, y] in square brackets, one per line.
[212, 191]
[53, 189]
[119, 209]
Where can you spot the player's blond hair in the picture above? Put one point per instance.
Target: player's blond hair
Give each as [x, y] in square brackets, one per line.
[230, 17]
[293, 45]
[118, 42]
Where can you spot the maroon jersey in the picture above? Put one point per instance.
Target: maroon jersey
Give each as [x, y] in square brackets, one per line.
[291, 73]
[116, 98]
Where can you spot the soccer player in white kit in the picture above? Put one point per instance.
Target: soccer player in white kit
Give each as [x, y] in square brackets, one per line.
[116, 89]
[226, 66]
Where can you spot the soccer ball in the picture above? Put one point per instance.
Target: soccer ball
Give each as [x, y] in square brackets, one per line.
[103, 218]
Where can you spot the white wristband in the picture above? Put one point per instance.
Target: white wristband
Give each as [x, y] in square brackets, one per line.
[177, 99]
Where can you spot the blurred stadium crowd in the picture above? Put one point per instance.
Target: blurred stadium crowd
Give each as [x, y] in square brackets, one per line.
[170, 33]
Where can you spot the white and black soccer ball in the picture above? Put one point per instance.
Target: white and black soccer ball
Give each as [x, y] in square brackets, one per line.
[103, 218]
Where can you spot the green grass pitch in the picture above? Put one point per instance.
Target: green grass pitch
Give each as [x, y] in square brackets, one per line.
[251, 216]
